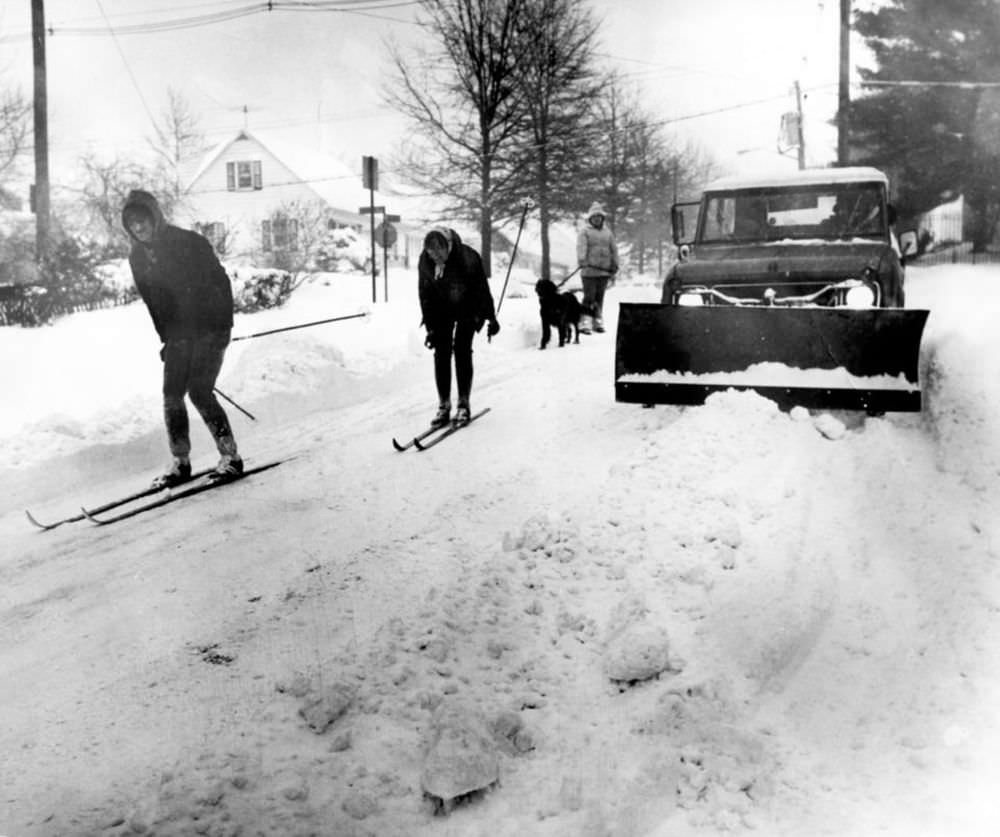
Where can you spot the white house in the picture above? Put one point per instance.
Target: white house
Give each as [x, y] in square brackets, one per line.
[236, 193]
[944, 223]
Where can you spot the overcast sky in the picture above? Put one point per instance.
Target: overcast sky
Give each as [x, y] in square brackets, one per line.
[720, 72]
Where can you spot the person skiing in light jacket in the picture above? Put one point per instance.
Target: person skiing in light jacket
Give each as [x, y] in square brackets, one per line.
[597, 257]
[455, 302]
[190, 300]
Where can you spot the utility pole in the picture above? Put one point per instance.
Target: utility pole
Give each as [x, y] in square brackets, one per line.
[844, 97]
[41, 188]
[801, 131]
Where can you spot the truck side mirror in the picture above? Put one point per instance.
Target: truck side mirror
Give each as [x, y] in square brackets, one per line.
[908, 243]
[684, 220]
[677, 222]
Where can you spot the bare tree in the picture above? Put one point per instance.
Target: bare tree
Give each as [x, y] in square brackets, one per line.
[106, 185]
[177, 138]
[462, 98]
[559, 85]
[636, 170]
[15, 129]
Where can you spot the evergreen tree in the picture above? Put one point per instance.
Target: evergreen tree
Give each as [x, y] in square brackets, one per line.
[932, 123]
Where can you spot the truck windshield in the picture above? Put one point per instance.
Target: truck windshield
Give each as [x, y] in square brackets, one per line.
[833, 211]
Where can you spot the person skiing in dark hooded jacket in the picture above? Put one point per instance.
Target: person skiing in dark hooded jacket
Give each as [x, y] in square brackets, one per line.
[455, 301]
[190, 300]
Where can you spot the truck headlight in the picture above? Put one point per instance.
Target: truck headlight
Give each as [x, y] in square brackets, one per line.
[861, 295]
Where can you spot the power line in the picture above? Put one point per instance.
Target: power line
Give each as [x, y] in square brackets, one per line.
[964, 85]
[128, 68]
[357, 7]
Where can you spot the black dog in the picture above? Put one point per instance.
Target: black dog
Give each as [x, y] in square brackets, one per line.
[558, 310]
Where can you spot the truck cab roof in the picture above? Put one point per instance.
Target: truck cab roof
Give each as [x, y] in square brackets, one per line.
[804, 177]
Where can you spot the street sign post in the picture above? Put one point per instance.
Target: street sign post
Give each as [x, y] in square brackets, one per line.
[369, 180]
[385, 234]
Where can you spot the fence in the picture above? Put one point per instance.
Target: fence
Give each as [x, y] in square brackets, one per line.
[31, 305]
[956, 254]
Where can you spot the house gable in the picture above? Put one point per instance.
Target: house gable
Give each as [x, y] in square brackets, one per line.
[239, 185]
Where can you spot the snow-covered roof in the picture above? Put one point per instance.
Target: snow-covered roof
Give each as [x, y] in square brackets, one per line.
[804, 177]
[330, 177]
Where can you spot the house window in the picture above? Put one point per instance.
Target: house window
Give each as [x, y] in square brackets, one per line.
[279, 233]
[215, 232]
[244, 175]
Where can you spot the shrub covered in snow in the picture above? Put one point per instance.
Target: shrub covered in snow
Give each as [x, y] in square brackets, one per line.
[255, 289]
[343, 250]
[70, 278]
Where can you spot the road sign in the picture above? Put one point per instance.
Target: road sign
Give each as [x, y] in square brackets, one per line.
[385, 235]
[368, 210]
[369, 172]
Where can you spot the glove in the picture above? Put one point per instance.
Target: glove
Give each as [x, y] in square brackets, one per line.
[163, 352]
[429, 339]
[493, 329]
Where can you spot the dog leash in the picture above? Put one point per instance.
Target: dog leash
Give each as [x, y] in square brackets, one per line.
[568, 277]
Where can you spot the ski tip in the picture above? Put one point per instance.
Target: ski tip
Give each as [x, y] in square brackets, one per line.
[398, 446]
[89, 516]
[34, 522]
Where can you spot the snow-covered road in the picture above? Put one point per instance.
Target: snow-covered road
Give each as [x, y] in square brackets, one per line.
[818, 593]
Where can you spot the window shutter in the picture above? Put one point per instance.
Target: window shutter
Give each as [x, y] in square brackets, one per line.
[258, 180]
[231, 177]
[265, 234]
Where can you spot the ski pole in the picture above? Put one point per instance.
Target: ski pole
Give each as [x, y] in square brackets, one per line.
[303, 325]
[237, 406]
[524, 213]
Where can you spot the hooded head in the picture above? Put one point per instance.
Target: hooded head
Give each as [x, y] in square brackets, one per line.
[595, 215]
[438, 243]
[141, 216]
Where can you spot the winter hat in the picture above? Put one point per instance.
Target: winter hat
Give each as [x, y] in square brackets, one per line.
[441, 234]
[596, 209]
[140, 201]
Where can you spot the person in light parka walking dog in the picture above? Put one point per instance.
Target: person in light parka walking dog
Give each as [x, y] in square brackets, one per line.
[190, 300]
[597, 257]
[455, 302]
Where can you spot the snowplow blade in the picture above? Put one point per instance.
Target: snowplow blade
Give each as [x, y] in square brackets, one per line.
[821, 358]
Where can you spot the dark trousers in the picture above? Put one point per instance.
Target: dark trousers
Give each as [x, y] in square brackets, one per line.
[593, 295]
[454, 338]
[191, 366]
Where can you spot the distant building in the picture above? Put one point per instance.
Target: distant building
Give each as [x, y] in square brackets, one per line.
[235, 195]
[944, 223]
[562, 245]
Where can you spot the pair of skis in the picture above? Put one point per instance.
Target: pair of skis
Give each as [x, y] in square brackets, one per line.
[433, 435]
[199, 483]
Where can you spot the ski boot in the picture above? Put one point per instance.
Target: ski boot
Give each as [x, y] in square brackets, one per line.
[442, 416]
[230, 467]
[180, 472]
